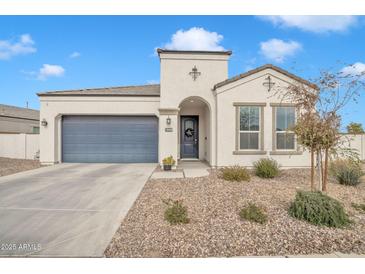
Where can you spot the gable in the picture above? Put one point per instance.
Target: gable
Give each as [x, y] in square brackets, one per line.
[254, 88]
[258, 71]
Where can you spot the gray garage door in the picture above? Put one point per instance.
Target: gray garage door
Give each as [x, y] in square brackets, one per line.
[109, 139]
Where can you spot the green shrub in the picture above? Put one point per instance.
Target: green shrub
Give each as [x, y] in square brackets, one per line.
[176, 212]
[235, 173]
[253, 213]
[359, 207]
[346, 172]
[318, 209]
[266, 168]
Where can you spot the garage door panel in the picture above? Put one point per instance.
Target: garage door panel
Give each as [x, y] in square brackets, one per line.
[110, 139]
[134, 139]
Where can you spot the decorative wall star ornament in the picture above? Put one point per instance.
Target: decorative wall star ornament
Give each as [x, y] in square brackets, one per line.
[268, 83]
[194, 73]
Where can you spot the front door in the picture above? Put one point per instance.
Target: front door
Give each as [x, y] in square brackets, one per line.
[189, 137]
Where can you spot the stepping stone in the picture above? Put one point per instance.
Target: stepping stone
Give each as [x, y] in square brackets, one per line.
[194, 172]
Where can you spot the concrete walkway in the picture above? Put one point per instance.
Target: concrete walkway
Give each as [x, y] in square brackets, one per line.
[67, 210]
[185, 169]
[332, 255]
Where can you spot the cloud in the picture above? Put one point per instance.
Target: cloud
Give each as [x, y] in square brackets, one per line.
[75, 54]
[45, 72]
[278, 50]
[50, 71]
[9, 48]
[313, 23]
[195, 39]
[152, 82]
[357, 69]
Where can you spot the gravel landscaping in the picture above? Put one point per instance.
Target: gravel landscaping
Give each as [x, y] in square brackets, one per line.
[215, 228]
[10, 166]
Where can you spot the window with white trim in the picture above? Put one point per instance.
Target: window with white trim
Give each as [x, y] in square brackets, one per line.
[249, 128]
[285, 120]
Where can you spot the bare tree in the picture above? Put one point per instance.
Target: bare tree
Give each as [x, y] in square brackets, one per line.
[319, 120]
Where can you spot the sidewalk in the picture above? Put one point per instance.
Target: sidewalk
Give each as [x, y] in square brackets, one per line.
[185, 169]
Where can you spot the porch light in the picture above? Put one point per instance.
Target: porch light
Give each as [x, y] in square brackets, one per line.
[168, 120]
[44, 123]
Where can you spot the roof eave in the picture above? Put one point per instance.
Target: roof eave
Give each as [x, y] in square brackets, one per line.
[98, 95]
[226, 52]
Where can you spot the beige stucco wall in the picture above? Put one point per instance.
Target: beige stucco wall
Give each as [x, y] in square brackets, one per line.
[177, 85]
[354, 142]
[19, 145]
[52, 108]
[251, 90]
[217, 113]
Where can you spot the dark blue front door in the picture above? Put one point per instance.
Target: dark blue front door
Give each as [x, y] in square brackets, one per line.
[189, 137]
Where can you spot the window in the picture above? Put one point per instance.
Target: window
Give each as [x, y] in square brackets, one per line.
[35, 130]
[249, 127]
[285, 119]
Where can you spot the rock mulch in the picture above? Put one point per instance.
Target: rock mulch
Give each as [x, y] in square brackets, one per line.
[10, 166]
[215, 229]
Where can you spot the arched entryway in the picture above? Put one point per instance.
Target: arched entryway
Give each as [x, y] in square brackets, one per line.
[194, 129]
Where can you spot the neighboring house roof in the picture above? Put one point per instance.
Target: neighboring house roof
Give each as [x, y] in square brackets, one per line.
[18, 112]
[227, 52]
[268, 66]
[143, 90]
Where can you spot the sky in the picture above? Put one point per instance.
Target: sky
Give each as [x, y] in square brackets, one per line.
[43, 53]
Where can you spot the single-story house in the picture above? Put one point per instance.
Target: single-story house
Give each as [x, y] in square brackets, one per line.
[18, 120]
[196, 112]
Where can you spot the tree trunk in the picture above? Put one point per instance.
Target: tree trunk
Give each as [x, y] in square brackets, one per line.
[319, 169]
[312, 169]
[325, 173]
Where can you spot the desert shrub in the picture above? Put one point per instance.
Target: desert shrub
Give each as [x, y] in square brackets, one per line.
[235, 173]
[359, 207]
[253, 213]
[346, 172]
[176, 212]
[266, 168]
[318, 209]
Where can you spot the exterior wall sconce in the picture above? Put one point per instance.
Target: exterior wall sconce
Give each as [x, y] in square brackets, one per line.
[44, 123]
[168, 120]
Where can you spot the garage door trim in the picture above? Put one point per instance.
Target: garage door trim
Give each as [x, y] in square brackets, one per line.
[83, 143]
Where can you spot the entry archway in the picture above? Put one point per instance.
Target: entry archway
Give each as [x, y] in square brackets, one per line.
[194, 129]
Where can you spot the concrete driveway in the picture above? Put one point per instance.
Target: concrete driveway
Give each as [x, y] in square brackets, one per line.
[67, 210]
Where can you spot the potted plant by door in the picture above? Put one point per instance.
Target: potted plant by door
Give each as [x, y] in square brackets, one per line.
[168, 162]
